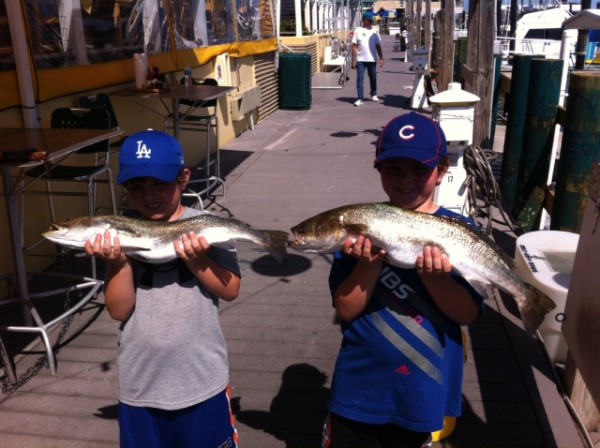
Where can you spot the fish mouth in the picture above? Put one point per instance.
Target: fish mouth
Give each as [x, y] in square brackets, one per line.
[294, 243]
[300, 244]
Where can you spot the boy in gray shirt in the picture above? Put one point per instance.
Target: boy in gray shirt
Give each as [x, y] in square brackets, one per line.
[172, 356]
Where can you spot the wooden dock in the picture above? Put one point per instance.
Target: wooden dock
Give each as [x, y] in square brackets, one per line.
[281, 332]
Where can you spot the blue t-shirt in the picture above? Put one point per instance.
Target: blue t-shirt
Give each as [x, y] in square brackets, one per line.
[401, 361]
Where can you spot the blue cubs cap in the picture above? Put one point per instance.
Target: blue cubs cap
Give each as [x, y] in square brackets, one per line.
[412, 136]
[368, 16]
[150, 154]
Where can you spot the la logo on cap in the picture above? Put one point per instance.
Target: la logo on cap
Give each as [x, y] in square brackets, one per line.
[143, 152]
[406, 132]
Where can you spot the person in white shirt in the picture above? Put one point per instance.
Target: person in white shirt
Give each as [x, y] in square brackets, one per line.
[366, 50]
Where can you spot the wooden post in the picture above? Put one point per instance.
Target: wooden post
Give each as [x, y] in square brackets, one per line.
[446, 65]
[479, 69]
[513, 140]
[542, 106]
[419, 24]
[427, 39]
[582, 312]
[460, 58]
[580, 396]
[580, 148]
[410, 23]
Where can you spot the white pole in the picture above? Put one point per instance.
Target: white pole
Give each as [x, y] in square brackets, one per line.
[297, 15]
[19, 37]
[278, 24]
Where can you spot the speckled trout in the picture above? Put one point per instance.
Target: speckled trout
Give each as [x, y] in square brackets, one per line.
[152, 241]
[403, 234]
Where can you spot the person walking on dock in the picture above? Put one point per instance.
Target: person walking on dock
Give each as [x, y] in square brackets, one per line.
[366, 50]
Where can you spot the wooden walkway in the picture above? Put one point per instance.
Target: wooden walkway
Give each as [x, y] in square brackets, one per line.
[281, 331]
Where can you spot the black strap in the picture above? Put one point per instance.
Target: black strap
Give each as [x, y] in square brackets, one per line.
[432, 313]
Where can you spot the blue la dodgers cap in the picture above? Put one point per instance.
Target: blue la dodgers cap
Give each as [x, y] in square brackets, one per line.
[412, 136]
[150, 153]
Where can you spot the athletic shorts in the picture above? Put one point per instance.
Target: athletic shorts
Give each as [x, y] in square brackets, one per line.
[340, 432]
[208, 424]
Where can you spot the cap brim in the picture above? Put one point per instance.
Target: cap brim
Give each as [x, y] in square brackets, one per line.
[164, 173]
[408, 153]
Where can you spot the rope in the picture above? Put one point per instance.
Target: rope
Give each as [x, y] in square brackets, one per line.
[483, 191]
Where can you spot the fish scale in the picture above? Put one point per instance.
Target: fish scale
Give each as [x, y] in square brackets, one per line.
[403, 234]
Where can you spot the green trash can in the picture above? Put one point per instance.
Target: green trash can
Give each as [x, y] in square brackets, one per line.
[294, 81]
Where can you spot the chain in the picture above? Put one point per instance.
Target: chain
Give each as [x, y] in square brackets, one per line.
[7, 387]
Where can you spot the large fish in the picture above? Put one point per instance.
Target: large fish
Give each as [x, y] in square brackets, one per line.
[403, 233]
[152, 241]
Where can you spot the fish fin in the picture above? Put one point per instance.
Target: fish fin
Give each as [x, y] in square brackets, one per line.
[129, 245]
[479, 284]
[129, 248]
[276, 242]
[534, 309]
[356, 228]
[481, 287]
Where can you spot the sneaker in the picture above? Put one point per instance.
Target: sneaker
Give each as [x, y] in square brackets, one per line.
[428, 443]
[358, 103]
[374, 98]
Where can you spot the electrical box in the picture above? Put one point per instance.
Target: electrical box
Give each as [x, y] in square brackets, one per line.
[452, 192]
[454, 111]
[420, 59]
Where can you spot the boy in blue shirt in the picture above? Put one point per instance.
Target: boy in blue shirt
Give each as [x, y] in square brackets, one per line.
[399, 369]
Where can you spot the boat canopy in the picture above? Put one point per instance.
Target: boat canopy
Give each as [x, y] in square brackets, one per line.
[588, 19]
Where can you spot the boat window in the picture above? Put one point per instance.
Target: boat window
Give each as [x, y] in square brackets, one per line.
[545, 33]
[67, 33]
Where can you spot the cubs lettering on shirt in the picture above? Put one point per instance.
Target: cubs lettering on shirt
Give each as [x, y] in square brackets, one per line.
[399, 292]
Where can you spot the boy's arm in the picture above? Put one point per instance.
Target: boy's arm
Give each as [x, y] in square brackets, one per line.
[451, 298]
[353, 294]
[216, 279]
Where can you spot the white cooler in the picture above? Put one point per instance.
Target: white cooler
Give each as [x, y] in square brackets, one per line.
[545, 259]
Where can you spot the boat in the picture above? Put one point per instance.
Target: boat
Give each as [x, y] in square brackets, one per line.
[538, 31]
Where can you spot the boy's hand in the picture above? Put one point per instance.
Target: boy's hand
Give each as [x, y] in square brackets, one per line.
[362, 249]
[191, 247]
[106, 248]
[433, 264]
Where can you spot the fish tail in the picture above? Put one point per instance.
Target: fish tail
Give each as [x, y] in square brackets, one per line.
[275, 242]
[535, 307]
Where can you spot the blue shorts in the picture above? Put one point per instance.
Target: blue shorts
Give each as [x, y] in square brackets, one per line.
[205, 425]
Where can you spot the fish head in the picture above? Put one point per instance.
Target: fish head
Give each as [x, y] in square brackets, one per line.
[323, 233]
[74, 232]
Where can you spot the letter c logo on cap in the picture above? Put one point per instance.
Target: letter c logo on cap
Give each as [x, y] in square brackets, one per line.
[406, 133]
